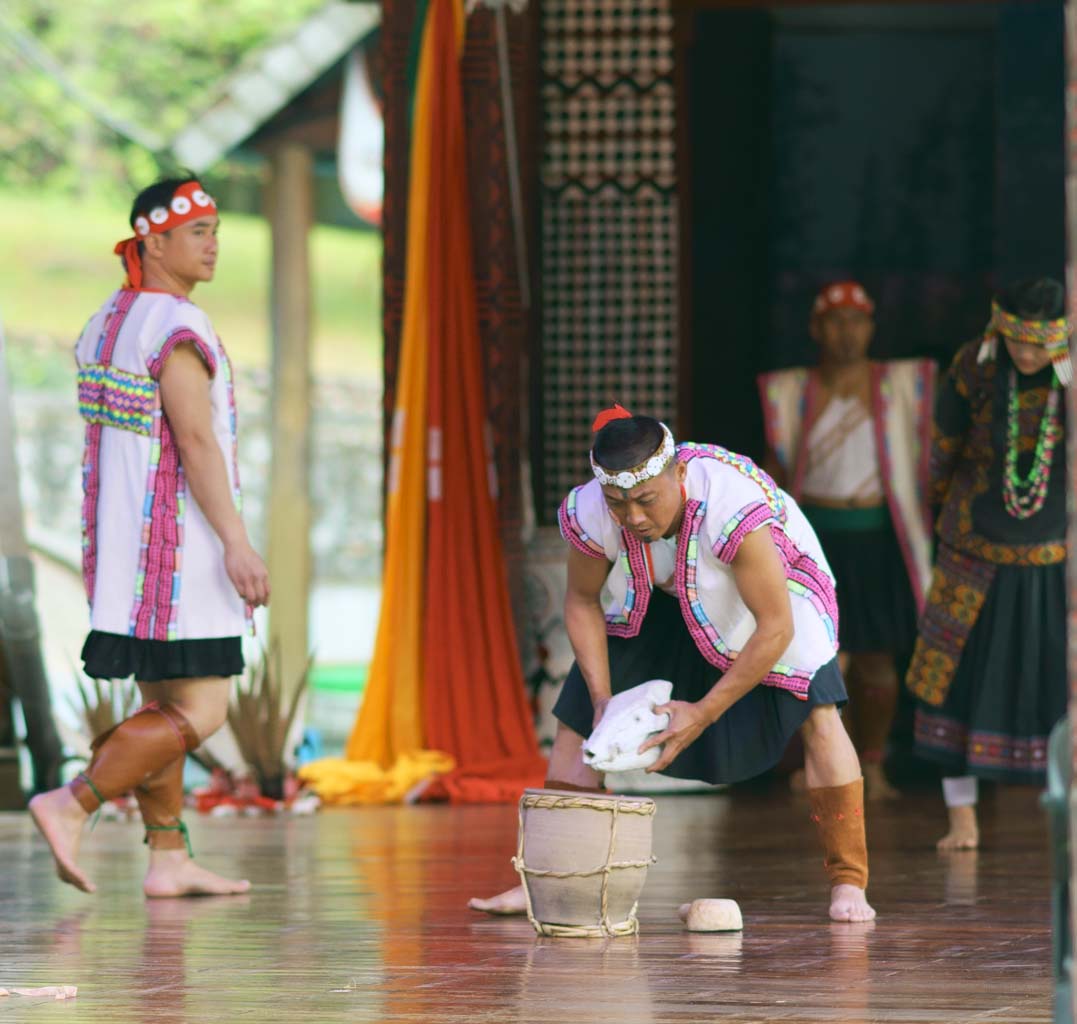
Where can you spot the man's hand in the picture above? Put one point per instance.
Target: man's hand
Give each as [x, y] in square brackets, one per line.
[686, 722]
[600, 706]
[247, 572]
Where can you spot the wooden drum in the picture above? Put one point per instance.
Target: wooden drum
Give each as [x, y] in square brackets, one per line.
[583, 859]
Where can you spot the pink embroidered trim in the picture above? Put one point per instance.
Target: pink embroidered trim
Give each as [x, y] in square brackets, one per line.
[770, 414]
[633, 563]
[880, 407]
[689, 450]
[880, 401]
[980, 749]
[707, 639]
[804, 572]
[157, 580]
[91, 487]
[181, 336]
[91, 456]
[746, 521]
[772, 423]
[927, 403]
[810, 406]
[573, 532]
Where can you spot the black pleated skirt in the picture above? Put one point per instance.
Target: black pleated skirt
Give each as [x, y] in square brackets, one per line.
[1010, 687]
[113, 656]
[746, 741]
[876, 606]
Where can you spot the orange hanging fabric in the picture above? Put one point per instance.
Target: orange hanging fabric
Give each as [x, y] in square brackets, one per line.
[474, 698]
[390, 721]
[445, 672]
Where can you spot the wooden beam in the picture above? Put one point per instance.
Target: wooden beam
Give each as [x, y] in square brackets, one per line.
[291, 200]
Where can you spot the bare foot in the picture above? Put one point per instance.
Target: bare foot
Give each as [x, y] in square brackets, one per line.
[876, 786]
[964, 831]
[172, 873]
[511, 901]
[60, 817]
[848, 903]
[682, 911]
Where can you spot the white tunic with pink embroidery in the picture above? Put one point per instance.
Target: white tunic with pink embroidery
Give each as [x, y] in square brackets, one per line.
[152, 564]
[728, 497]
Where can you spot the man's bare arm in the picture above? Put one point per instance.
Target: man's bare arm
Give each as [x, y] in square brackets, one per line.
[761, 582]
[760, 575]
[185, 398]
[585, 622]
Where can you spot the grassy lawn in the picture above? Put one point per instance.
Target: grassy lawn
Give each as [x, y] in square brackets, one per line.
[57, 267]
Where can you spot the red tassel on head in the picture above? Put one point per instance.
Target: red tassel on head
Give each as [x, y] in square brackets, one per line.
[618, 412]
[127, 250]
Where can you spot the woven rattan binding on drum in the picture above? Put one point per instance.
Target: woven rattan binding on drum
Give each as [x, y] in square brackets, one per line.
[604, 929]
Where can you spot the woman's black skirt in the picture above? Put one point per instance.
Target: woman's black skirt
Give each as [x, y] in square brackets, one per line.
[876, 606]
[1010, 686]
[747, 740]
[112, 656]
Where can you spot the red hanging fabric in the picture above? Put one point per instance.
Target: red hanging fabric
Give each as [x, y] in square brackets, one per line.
[474, 702]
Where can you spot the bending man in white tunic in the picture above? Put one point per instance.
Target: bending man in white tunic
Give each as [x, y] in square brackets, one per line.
[169, 571]
[717, 583]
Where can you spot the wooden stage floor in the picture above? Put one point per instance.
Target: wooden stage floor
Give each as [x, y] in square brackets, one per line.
[359, 915]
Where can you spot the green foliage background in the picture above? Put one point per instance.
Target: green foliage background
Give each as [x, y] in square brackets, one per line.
[66, 179]
[155, 63]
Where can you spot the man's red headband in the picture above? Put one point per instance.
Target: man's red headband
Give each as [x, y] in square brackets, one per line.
[843, 295]
[189, 202]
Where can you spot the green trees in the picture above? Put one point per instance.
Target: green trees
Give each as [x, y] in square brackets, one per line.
[67, 69]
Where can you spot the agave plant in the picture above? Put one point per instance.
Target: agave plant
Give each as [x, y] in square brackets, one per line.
[260, 722]
[105, 702]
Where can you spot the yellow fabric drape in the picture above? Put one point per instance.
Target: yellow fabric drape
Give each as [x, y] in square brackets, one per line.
[390, 723]
[445, 589]
[384, 752]
[342, 782]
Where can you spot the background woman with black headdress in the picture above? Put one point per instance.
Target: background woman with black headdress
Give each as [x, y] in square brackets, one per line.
[989, 669]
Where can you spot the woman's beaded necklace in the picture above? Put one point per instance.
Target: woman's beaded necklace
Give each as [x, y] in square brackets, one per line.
[1023, 498]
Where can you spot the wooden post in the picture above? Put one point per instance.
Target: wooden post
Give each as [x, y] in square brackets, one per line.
[22, 673]
[291, 200]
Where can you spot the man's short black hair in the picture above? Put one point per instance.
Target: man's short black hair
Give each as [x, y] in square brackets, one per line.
[625, 443]
[160, 193]
[1035, 298]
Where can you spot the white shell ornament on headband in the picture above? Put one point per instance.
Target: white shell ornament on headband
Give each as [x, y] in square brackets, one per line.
[158, 215]
[181, 205]
[142, 226]
[202, 199]
[626, 479]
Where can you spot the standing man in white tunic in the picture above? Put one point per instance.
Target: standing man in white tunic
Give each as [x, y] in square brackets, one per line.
[170, 573]
[850, 440]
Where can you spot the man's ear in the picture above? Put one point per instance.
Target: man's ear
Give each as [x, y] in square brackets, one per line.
[154, 245]
[680, 471]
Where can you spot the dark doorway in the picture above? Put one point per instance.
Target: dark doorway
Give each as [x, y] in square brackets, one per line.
[916, 147]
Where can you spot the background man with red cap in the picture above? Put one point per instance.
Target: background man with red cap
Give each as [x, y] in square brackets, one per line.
[169, 571]
[850, 440]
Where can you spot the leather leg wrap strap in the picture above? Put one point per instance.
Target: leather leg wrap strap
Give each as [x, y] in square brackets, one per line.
[839, 813]
[136, 749]
[160, 802]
